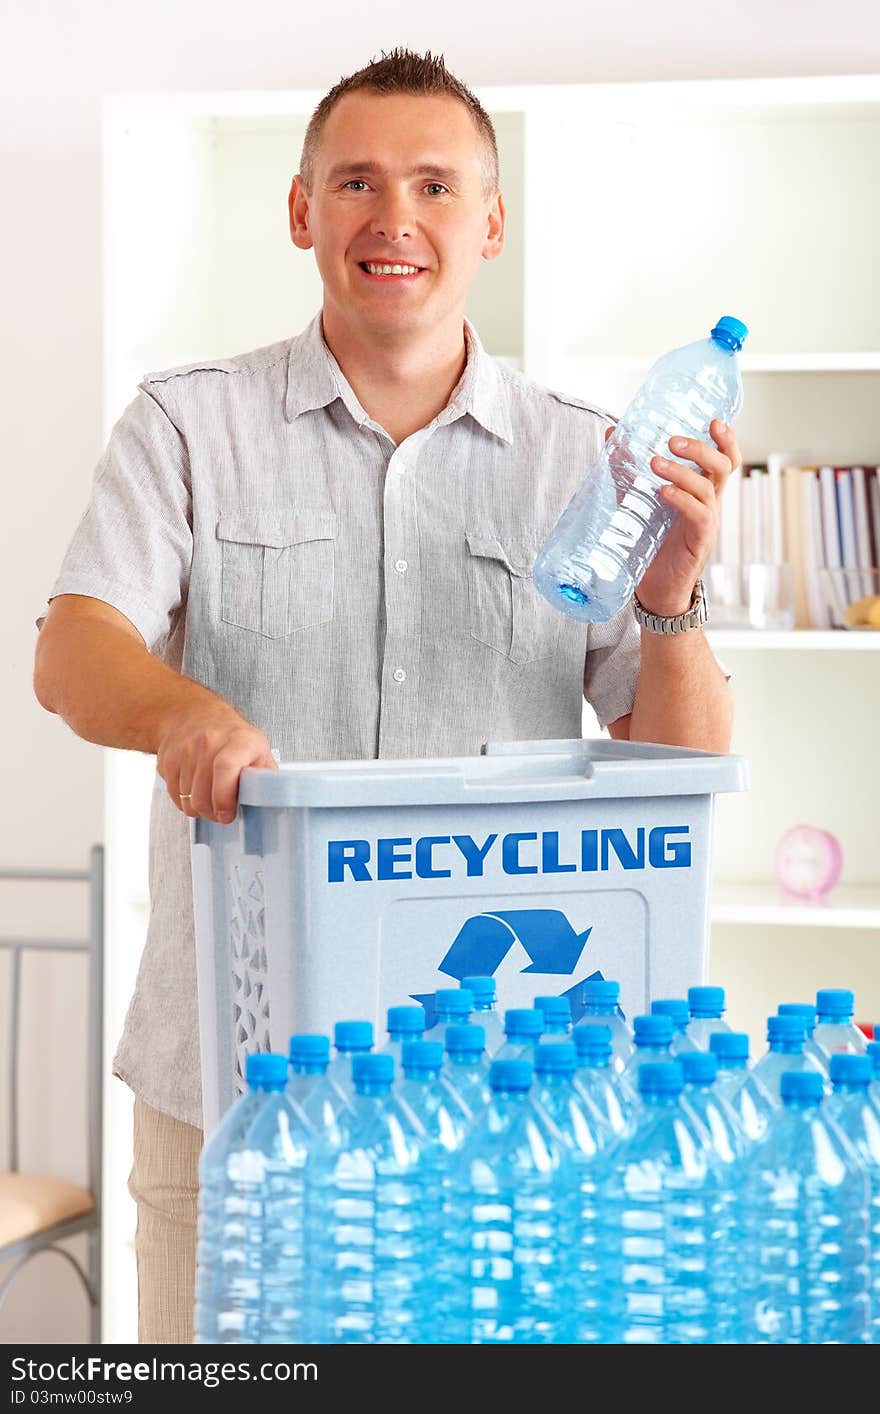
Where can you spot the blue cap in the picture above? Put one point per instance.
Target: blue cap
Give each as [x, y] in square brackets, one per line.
[558, 1059]
[797, 1009]
[851, 1070]
[421, 1055]
[730, 331]
[699, 1067]
[376, 1069]
[706, 1001]
[353, 1035]
[410, 1019]
[801, 1085]
[790, 1027]
[454, 1001]
[660, 1077]
[600, 989]
[554, 1008]
[510, 1074]
[652, 1030]
[872, 1050]
[676, 1007]
[481, 988]
[523, 1021]
[595, 1039]
[470, 1038]
[307, 1047]
[729, 1045]
[838, 1002]
[266, 1068]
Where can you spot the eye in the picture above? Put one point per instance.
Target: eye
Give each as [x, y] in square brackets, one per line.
[355, 181]
[437, 186]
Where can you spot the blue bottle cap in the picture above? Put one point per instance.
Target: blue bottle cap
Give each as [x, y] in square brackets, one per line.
[804, 1009]
[353, 1035]
[307, 1047]
[421, 1055]
[729, 1045]
[600, 989]
[510, 1074]
[266, 1068]
[555, 1009]
[801, 1085]
[559, 1059]
[652, 1030]
[454, 1001]
[851, 1070]
[790, 1027]
[372, 1069]
[699, 1067]
[706, 1001]
[731, 331]
[523, 1021]
[660, 1077]
[676, 1007]
[469, 1039]
[836, 1002]
[482, 988]
[872, 1050]
[592, 1038]
[410, 1019]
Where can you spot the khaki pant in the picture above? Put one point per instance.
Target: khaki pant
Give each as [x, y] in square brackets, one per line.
[164, 1183]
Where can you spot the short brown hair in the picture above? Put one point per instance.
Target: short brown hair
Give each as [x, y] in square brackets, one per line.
[402, 71]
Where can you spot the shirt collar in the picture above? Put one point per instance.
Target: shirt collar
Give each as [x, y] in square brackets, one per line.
[314, 380]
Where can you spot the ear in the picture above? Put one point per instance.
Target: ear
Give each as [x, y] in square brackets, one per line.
[298, 206]
[495, 217]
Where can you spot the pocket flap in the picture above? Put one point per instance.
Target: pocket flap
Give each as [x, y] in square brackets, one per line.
[262, 527]
[517, 555]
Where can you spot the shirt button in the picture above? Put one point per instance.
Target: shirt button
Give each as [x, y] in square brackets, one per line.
[401, 566]
[399, 675]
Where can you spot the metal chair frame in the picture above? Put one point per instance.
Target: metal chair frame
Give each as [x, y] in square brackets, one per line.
[47, 1238]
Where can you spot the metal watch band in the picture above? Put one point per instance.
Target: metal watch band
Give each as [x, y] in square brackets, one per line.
[694, 617]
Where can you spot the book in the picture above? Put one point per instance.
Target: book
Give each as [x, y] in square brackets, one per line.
[874, 501]
[729, 542]
[811, 527]
[830, 520]
[849, 555]
[776, 540]
[792, 510]
[862, 523]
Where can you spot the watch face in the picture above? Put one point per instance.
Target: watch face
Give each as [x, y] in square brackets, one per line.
[808, 861]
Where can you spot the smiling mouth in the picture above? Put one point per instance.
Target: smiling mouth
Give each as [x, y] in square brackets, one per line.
[397, 270]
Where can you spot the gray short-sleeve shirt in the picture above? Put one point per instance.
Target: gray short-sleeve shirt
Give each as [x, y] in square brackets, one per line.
[351, 597]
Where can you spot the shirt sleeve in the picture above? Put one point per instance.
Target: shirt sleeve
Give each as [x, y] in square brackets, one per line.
[611, 670]
[132, 547]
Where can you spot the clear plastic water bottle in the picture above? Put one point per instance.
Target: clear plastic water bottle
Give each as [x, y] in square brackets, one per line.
[440, 1110]
[805, 1200]
[652, 1038]
[454, 1006]
[557, 1018]
[350, 1039]
[737, 1083]
[321, 1100]
[678, 1009]
[872, 1051]
[659, 1205]
[597, 1080]
[466, 1069]
[508, 1228]
[308, 1056]
[835, 1029]
[484, 991]
[523, 1028]
[600, 997]
[808, 1011]
[785, 1052]
[404, 1023]
[857, 1112]
[706, 1006]
[614, 524]
[227, 1290]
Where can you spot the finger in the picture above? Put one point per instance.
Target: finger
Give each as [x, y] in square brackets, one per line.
[685, 478]
[711, 460]
[700, 515]
[184, 799]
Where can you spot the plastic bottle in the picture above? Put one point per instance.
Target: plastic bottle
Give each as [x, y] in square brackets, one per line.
[835, 1029]
[227, 1291]
[350, 1038]
[308, 1057]
[857, 1112]
[785, 1052]
[322, 1100]
[805, 1200]
[454, 1006]
[614, 524]
[652, 1037]
[678, 1009]
[403, 1023]
[659, 1203]
[872, 1051]
[750, 1099]
[508, 1227]
[808, 1011]
[596, 1079]
[484, 991]
[557, 1018]
[706, 1006]
[523, 1027]
[466, 1070]
[600, 997]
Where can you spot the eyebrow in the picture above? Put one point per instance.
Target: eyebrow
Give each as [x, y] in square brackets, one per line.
[374, 169]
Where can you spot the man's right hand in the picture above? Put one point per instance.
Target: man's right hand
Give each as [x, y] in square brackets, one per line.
[202, 751]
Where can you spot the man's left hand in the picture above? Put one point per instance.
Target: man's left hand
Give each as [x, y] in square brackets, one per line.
[667, 586]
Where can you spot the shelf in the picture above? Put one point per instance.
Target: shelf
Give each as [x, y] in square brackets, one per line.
[798, 638]
[847, 906]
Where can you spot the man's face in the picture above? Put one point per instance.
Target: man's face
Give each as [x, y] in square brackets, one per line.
[398, 181]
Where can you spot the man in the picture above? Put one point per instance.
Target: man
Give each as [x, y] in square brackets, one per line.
[324, 547]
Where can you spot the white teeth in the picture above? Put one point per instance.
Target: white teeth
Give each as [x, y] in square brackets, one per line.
[392, 269]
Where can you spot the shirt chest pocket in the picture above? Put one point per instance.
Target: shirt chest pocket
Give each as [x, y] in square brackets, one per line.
[506, 611]
[277, 571]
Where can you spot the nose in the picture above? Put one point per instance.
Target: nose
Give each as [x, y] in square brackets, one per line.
[394, 221]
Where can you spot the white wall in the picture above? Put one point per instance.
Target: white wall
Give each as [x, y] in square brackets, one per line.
[56, 65]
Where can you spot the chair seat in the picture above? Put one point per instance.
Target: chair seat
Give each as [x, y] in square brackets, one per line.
[31, 1202]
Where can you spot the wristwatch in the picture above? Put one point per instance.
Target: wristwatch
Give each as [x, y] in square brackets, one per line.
[694, 617]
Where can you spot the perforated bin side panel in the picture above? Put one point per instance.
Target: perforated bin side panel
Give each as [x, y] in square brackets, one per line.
[247, 961]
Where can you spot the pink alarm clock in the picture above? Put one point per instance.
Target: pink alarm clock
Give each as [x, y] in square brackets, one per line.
[807, 862]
